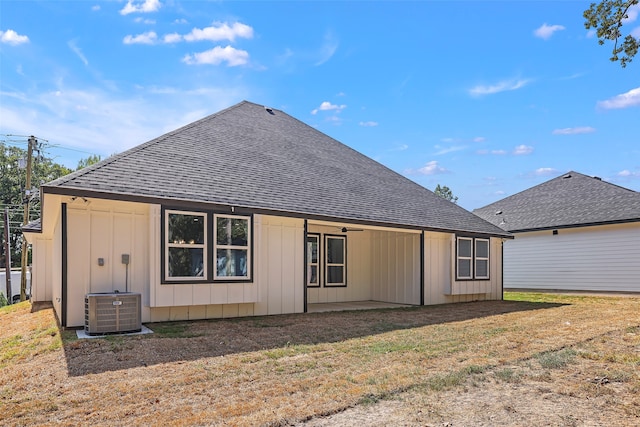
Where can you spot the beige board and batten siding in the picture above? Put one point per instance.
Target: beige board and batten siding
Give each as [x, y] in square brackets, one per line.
[99, 232]
[358, 267]
[275, 288]
[440, 282]
[598, 258]
[395, 264]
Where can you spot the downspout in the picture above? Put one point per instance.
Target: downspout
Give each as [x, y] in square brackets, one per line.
[422, 263]
[305, 266]
[63, 318]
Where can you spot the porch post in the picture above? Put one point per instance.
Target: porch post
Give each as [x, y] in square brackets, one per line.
[63, 318]
[422, 268]
[305, 266]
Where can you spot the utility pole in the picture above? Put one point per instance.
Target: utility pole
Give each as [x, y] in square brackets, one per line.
[7, 254]
[27, 197]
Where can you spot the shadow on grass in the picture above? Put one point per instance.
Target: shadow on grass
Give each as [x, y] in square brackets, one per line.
[193, 340]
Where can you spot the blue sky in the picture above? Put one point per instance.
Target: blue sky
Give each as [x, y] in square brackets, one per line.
[488, 98]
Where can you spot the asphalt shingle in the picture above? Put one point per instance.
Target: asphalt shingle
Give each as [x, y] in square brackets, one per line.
[570, 200]
[246, 156]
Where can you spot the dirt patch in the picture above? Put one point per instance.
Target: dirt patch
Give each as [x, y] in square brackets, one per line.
[486, 363]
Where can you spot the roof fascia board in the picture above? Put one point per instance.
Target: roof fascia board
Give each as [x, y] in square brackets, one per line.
[67, 191]
[588, 224]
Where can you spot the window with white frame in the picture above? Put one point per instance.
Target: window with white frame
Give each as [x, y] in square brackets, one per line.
[313, 260]
[185, 245]
[335, 271]
[481, 270]
[472, 258]
[465, 258]
[232, 247]
[205, 247]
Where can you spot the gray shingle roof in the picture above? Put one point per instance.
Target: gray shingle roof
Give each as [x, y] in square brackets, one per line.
[248, 157]
[570, 200]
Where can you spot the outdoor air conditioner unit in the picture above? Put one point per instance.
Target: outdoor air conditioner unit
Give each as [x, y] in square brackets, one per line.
[110, 313]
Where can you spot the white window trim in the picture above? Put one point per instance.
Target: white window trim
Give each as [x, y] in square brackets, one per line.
[216, 246]
[459, 257]
[168, 245]
[477, 258]
[316, 264]
[327, 264]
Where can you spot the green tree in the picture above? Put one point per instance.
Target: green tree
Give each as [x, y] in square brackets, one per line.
[92, 159]
[607, 18]
[13, 193]
[446, 193]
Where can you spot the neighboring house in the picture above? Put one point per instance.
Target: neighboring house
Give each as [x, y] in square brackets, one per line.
[574, 232]
[252, 212]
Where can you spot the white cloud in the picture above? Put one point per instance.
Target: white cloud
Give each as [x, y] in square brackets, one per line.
[545, 172]
[327, 106]
[220, 31]
[498, 152]
[502, 86]
[432, 168]
[172, 38]
[104, 122]
[141, 20]
[368, 124]
[546, 31]
[522, 150]
[12, 38]
[479, 139]
[328, 48]
[180, 21]
[445, 150]
[140, 7]
[635, 32]
[625, 100]
[150, 37]
[232, 56]
[574, 131]
[72, 45]
[628, 174]
[95, 8]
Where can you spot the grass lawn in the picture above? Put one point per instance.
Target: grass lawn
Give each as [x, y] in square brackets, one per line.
[283, 370]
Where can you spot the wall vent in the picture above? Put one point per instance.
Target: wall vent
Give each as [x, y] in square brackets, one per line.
[112, 313]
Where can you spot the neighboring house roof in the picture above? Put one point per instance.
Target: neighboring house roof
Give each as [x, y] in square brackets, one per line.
[570, 200]
[250, 156]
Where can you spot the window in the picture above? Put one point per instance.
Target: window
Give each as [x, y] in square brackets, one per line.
[335, 261]
[206, 247]
[186, 242]
[464, 257]
[232, 247]
[313, 260]
[482, 259]
[472, 255]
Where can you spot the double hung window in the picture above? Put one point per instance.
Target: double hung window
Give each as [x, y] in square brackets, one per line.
[313, 260]
[206, 247]
[335, 260]
[472, 258]
[233, 235]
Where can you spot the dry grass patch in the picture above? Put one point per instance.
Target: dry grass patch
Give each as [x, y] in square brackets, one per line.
[281, 370]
